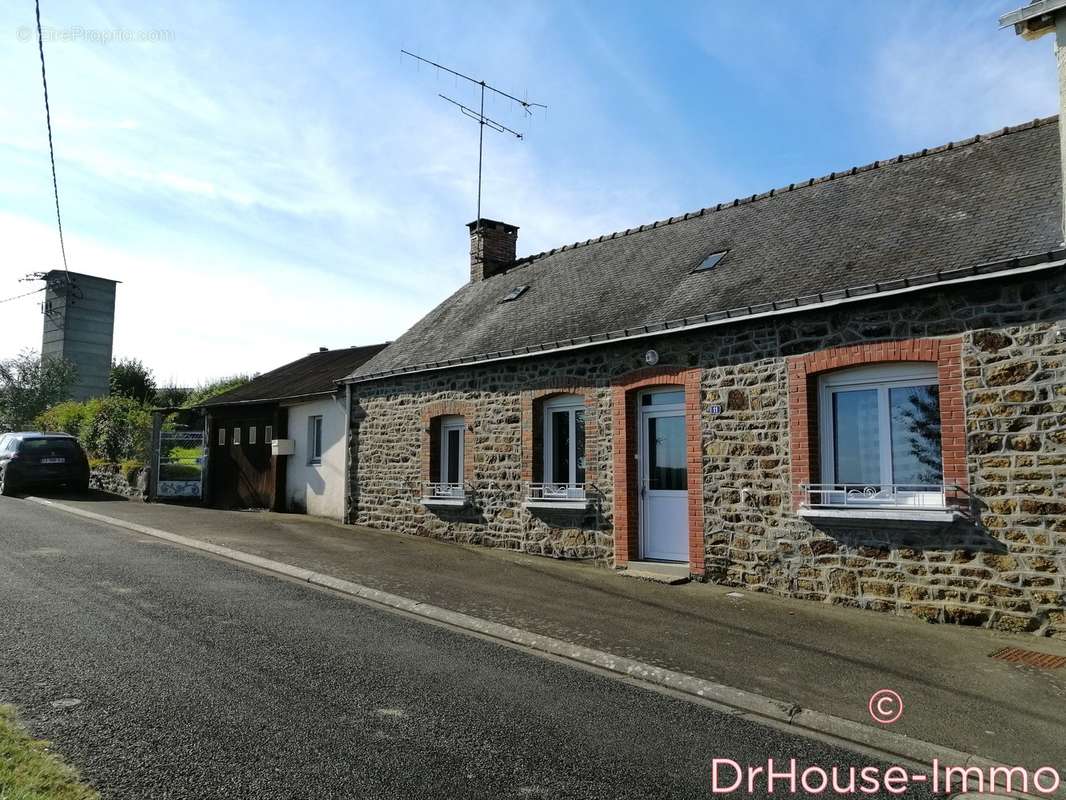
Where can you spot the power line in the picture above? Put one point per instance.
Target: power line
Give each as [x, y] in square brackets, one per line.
[19, 296]
[51, 147]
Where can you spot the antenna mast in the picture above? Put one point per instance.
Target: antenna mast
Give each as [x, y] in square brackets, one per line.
[479, 116]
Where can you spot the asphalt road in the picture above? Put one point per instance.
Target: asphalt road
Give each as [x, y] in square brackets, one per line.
[201, 679]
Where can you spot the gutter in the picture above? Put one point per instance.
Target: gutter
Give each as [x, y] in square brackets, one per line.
[288, 399]
[1021, 265]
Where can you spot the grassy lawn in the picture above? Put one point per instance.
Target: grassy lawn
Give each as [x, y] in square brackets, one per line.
[28, 771]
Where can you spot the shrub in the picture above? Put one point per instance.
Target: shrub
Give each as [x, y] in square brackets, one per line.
[131, 470]
[119, 430]
[68, 417]
[111, 429]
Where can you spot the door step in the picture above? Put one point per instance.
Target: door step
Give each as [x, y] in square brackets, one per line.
[657, 571]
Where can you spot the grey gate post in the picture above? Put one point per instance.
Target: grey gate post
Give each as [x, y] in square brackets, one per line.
[153, 460]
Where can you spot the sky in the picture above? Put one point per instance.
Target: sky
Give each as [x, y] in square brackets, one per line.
[268, 178]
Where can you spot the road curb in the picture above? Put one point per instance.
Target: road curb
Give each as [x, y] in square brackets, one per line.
[759, 708]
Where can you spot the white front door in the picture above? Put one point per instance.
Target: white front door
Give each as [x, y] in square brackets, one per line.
[663, 476]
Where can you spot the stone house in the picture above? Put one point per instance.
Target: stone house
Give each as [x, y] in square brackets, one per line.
[850, 390]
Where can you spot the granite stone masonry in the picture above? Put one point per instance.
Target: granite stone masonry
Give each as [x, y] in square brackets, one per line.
[1002, 341]
[113, 479]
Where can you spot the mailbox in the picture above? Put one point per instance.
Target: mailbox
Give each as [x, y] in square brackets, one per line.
[282, 447]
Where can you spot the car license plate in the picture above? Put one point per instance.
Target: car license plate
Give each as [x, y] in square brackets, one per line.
[53, 461]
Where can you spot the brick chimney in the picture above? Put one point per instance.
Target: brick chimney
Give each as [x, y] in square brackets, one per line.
[1031, 22]
[492, 248]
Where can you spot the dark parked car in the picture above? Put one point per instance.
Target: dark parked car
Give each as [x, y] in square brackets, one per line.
[30, 459]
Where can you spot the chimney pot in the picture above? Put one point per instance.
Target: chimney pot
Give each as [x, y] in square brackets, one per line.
[493, 246]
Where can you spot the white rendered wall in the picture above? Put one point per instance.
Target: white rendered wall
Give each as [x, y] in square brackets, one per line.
[317, 489]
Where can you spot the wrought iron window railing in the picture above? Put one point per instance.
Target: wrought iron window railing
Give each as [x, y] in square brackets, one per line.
[556, 493]
[437, 490]
[894, 496]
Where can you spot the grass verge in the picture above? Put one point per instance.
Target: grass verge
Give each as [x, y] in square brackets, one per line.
[29, 771]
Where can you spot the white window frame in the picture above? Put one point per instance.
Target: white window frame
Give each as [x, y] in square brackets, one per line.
[251, 434]
[237, 435]
[448, 424]
[221, 435]
[268, 434]
[315, 426]
[881, 377]
[571, 404]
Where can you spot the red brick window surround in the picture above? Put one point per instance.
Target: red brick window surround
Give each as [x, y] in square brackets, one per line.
[624, 431]
[533, 429]
[430, 451]
[803, 373]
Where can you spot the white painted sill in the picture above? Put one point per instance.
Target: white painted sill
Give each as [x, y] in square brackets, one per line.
[557, 505]
[444, 502]
[935, 516]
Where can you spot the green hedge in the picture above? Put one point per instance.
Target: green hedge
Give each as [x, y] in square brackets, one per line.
[112, 429]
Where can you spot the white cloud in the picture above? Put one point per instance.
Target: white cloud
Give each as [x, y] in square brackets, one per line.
[951, 74]
[256, 208]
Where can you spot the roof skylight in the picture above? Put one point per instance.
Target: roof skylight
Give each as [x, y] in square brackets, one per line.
[710, 262]
[514, 294]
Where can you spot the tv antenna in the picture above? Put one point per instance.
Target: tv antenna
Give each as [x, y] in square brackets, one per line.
[479, 115]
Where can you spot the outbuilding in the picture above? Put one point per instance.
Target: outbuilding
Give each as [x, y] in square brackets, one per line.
[279, 441]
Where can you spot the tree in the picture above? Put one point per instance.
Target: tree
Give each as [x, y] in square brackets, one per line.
[206, 391]
[131, 378]
[171, 396]
[30, 383]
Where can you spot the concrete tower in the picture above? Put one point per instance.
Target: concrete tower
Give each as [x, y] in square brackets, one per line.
[79, 325]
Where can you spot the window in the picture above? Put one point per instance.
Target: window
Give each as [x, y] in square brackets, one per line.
[251, 434]
[451, 450]
[880, 435]
[670, 398]
[237, 435]
[221, 437]
[314, 440]
[564, 442]
[268, 434]
[514, 294]
[710, 262]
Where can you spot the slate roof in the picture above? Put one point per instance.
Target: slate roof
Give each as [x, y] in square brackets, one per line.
[986, 199]
[311, 375]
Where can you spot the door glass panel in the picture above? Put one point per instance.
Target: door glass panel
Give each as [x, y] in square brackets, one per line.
[915, 414]
[453, 456]
[667, 469]
[856, 449]
[560, 467]
[579, 444]
[664, 399]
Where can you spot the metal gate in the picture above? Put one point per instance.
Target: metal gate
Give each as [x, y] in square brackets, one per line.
[180, 464]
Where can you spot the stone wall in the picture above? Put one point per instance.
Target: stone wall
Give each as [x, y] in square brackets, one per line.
[1005, 569]
[112, 478]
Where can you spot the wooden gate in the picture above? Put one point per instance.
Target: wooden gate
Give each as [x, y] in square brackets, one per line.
[242, 470]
